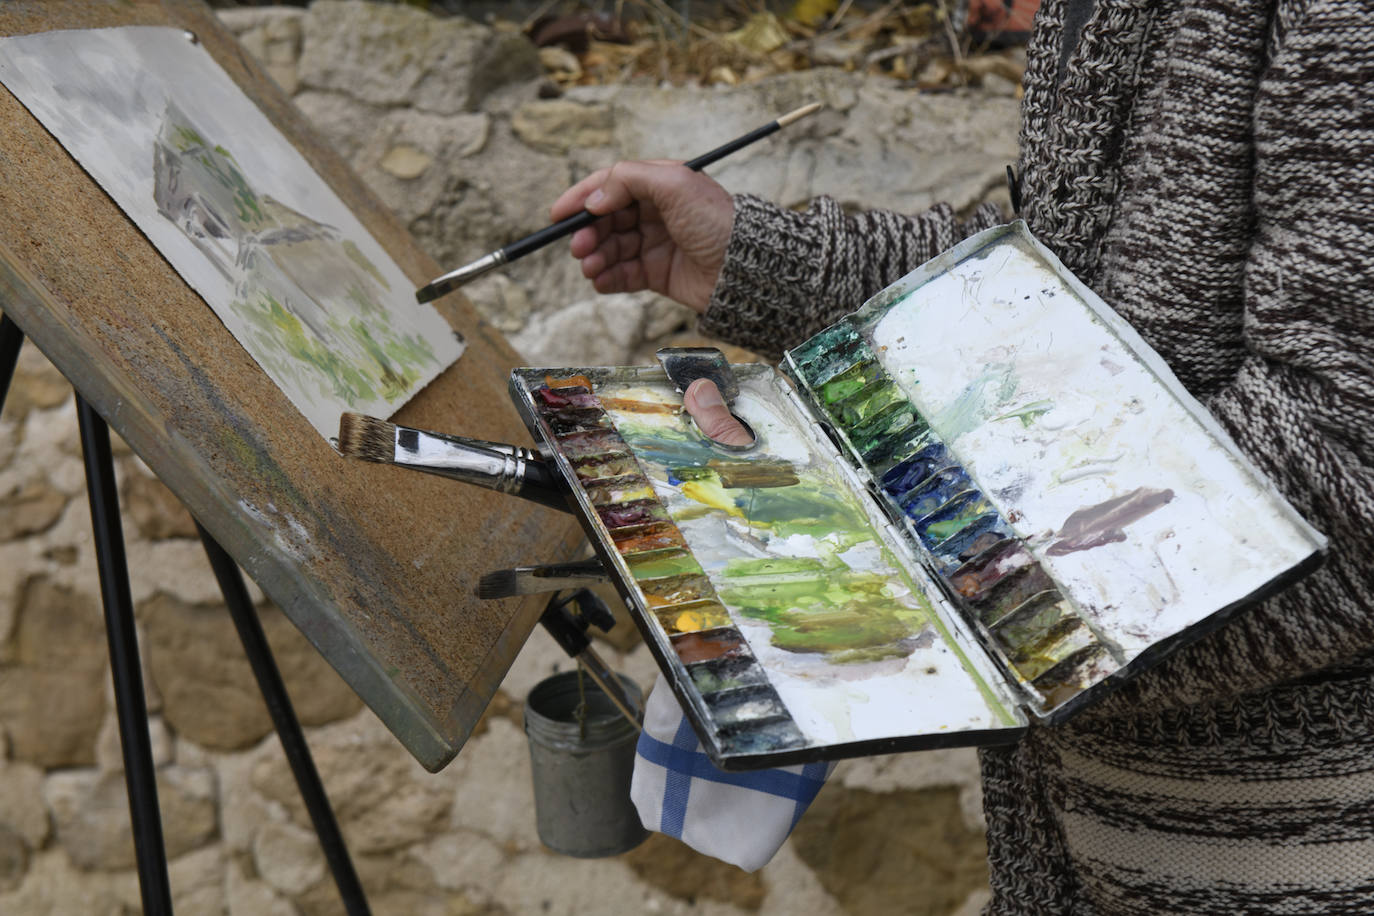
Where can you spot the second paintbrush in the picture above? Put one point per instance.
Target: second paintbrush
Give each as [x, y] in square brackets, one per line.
[518, 249]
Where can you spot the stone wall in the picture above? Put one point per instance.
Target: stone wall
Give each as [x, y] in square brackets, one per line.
[457, 127]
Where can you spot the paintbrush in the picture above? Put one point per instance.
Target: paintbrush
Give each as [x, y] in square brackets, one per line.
[518, 249]
[504, 468]
[532, 580]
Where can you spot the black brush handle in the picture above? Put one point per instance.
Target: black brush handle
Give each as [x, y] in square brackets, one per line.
[569, 225]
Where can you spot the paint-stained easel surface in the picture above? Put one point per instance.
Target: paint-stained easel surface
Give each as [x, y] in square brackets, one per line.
[980, 501]
[249, 290]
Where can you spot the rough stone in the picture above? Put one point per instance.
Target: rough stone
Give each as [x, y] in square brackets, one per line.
[14, 858]
[605, 331]
[28, 508]
[558, 125]
[344, 122]
[197, 880]
[686, 874]
[52, 697]
[155, 511]
[460, 860]
[870, 850]
[500, 300]
[91, 810]
[52, 888]
[208, 691]
[250, 897]
[381, 798]
[405, 162]
[494, 795]
[288, 857]
[396, 55]
[109, 753]
[35, 385]
[488, 199]
[398, 155]
[22, 811]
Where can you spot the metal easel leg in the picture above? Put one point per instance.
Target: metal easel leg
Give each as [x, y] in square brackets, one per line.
[11, 339]
[130, 704]
[288, 728]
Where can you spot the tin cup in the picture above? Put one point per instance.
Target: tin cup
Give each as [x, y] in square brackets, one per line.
[581, 765]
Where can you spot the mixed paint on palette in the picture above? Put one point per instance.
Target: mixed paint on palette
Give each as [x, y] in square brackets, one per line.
[1079, 506]
[979, 497]
[773, 584]
[238, 212]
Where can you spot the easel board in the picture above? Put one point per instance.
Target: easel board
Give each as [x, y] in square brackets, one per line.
[375, 565]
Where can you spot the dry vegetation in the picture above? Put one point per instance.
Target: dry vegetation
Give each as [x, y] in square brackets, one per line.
[920, 44]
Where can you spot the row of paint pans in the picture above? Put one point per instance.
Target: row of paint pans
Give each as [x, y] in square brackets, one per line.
[740, 707]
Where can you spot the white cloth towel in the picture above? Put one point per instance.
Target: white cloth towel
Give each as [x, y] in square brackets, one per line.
[740, 818]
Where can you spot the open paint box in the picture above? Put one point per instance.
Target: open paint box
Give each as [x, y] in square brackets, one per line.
[979, 501]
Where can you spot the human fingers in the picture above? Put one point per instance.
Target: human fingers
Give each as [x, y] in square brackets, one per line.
[587, 239]
[657, 184]
[571, 201]
[712, 415]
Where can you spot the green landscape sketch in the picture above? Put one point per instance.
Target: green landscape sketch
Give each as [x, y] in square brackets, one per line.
[238, 211]
[314, 305]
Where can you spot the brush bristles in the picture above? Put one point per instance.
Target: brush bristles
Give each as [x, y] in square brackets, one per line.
[367, 438]
[503, 583]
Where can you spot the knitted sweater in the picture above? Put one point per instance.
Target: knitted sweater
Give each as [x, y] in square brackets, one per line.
[1207, 167]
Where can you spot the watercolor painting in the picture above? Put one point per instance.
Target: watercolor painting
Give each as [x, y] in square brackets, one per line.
[239, 213]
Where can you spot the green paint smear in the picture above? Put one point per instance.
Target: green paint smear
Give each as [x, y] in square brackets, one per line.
[656, 565]
[810, 605]
[1028, 414]
[996, 384]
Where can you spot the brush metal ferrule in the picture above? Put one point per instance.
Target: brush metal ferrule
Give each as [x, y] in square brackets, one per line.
[456, 278]
[516, 470]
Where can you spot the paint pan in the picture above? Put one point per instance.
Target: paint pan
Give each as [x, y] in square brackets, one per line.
[745, 708]
[767, 738]
[952, 517]
[693, 617]
[911, 471]
[618, 490]
[1062, 640]
[1010, 592]
[935, 491]
[705, 645]
[602, 466]
[1088, 666]
[989, 567]
[598, 445]
[651, 537]
[725, 674]
[636, 513]
[858, 382]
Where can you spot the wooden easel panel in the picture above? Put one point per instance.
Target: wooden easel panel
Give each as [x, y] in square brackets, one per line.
[376, 565]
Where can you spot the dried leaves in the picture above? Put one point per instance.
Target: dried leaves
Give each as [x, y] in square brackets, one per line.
[918, 44]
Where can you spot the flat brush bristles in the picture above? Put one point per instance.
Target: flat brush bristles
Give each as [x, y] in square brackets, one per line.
[492, 466]
[367, 438]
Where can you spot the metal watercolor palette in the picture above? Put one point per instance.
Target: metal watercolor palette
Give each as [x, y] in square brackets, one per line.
[979, 500]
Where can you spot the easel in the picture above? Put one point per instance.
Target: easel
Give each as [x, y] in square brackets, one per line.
[375, 567]
[125, 668]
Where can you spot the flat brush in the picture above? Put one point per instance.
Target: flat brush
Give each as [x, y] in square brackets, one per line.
[518, 249]
[533, 580]
[504, 468]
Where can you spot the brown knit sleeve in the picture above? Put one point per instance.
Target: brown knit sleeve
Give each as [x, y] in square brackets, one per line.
[788, 274]
[1301, 405]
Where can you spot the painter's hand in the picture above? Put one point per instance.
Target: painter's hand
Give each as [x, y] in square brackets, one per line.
[665, 229]
[712, 415]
